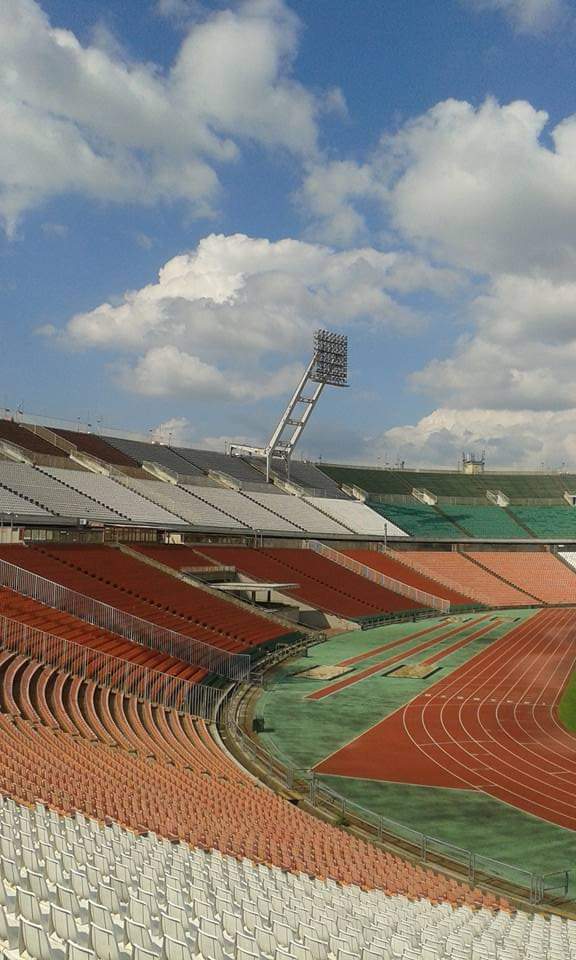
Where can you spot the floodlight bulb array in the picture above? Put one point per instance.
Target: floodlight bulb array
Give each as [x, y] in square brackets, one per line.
[331, 356]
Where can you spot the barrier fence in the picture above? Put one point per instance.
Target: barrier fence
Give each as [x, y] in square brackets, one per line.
[396, 586]
[191, 651]
[105, 670]
[474, 867]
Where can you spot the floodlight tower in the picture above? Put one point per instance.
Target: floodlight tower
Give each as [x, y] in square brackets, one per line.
[328, 367]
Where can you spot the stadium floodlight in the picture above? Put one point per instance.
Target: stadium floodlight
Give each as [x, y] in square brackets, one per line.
[328, 367]
[331, 356]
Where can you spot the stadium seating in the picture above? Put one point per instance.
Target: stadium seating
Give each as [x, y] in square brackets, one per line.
[61, 624]
[124, 502]
[51, 494]
[538, 573]
[569, 557]
[202, 903]
[357, 517]
[15, 433]
[445, 483]
[245, 511]
[307, 476]
[553, 522]
[155, 453]
[490, 523]
[321, 583]
[123, 582]
[299, 512]
[460, 573]
[166, 775]
[212, 460]
[418, 520]
[96, 446]
[182, 502]
[12, 503]
[179, 556]
[391, 567]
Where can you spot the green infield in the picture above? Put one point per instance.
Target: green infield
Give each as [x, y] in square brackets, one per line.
[301, 732]
[567, 705]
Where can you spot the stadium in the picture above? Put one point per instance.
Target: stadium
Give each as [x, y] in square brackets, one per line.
[287, 480]
[255, 706]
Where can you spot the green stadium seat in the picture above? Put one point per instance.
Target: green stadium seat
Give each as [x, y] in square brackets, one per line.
[485, 522]
[553, 522]
[417, 519]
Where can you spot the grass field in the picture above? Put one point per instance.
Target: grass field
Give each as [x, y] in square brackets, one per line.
[302, 732]
[567, 705]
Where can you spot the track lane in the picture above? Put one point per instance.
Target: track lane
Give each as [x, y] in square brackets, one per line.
[351, 679]
[491, 725]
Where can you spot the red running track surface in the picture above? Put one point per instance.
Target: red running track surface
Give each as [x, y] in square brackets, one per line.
[491, 725]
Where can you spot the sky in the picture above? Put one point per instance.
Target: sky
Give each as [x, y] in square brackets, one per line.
[189, 188]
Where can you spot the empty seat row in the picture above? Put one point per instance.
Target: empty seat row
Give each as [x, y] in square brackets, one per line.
[538, 573]
[314, 580]
[357, 517]
[155, 453]
[418, 519]
[299, 512]
[485, 522]
[247, 511]
[115, 496]
[458, 572]
[96, 446]
[58, 623]
[15, 505]
[183, 503]
[548, 521]
[106, 892]
[123, 582]
[23, 437]
[452, 483]
[389, 565]
[165, 775]
[51, 494]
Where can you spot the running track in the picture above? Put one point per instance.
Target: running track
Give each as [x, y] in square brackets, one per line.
[491, 725]
[353, 678]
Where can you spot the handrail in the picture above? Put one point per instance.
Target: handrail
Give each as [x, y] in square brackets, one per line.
[197, 699]
[476, 867]
[382, 579]
[233, 666]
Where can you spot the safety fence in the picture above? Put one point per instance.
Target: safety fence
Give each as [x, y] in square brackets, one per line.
[473, 867]
[191, 651]
[133, 679]
[396, 586]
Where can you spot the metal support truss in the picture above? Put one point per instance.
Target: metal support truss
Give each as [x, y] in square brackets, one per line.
[329, 366]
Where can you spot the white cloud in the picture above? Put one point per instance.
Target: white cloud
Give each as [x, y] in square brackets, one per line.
[176, 431]
[492, 191]
[521, 354]
[178, 10]
[180, 432]
[521, 438]
[331, 194]
[528, 16]
[219, 315]
[84, 119]
[482, 187]
[169, 371]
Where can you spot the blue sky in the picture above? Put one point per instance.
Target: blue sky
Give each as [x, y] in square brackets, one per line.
[403, 171]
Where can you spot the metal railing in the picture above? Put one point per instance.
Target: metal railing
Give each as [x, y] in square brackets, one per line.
[472, 866]
[194, 652]
[396, 586]
[105, 670]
